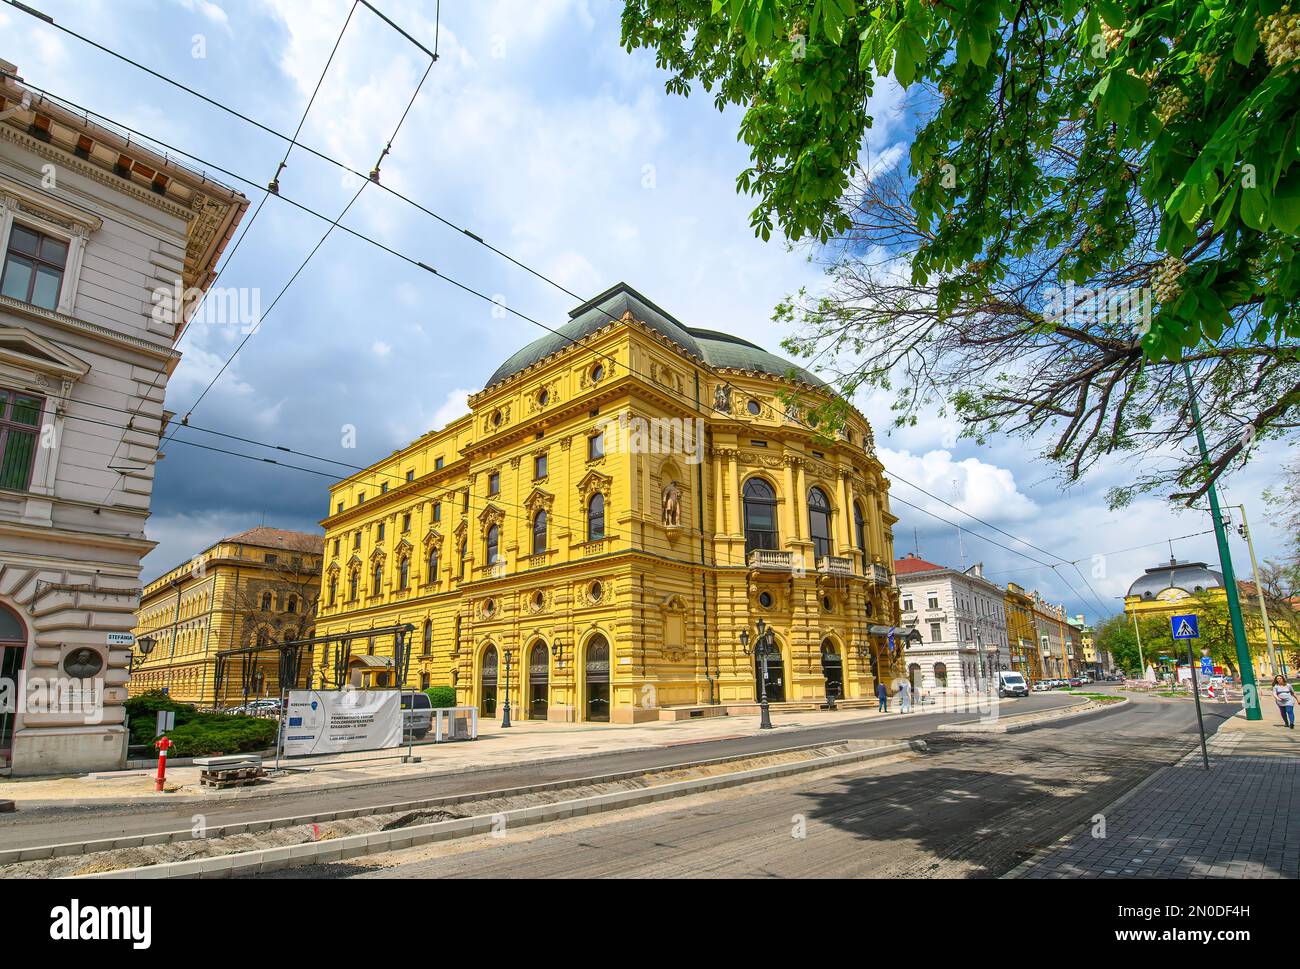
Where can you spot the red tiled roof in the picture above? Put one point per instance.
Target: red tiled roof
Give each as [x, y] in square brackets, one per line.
[914, 564]
[265, 537]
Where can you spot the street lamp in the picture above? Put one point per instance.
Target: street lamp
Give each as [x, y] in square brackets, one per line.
[762, 643]
[146, 644]
[505, 719]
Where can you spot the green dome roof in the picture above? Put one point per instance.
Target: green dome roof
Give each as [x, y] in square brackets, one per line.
[720, 350]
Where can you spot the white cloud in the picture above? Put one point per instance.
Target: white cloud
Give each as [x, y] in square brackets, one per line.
[380, 349]
[983, 490]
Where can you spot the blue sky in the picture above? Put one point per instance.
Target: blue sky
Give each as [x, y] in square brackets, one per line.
[539, 133]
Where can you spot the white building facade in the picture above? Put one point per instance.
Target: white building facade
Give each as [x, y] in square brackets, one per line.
[93, 226]
[961, 617]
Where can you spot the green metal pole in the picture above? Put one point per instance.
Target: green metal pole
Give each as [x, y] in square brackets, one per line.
[1250, 692]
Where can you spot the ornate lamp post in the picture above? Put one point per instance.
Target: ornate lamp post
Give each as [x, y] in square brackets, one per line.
[764, 642]
[505, 718]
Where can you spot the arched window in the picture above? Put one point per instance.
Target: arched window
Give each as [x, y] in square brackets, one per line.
[403, 574]
[860, 530]
[428, 636]
[378, 578]
[819, 523]
[464, 557]
[940, 675]
[432, 564]
[334, 589]
[596, 518]
[352, 586]
[539, 533]
[266, 602]
[759, 502]
[492, 543]
[292, 605]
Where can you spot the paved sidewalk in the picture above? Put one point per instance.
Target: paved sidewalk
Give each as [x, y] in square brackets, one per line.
[1241, 819]
[525, 742]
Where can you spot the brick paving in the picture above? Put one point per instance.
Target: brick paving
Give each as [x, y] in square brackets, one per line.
[1241, 819]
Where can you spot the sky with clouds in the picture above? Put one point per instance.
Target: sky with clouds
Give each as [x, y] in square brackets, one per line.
[539, 133]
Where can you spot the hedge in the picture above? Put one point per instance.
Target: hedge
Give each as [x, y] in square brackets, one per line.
[197, 734]
[442, 696]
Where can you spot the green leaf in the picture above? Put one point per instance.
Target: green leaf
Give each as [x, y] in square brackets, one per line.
[1254, 208]
[1285, 210]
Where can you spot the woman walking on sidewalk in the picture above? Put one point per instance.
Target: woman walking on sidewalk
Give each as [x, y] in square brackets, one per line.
[1285, 697]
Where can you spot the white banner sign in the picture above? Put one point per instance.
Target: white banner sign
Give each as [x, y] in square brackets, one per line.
[332, 721]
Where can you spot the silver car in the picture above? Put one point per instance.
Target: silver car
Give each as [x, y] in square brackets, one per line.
[417, 714]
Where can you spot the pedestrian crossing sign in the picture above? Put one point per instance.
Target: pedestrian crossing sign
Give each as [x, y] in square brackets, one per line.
[1185, 627]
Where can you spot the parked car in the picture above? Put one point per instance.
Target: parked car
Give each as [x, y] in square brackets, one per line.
[1042, 686]
[1076, 681]
[1011, 683]
[417, 714]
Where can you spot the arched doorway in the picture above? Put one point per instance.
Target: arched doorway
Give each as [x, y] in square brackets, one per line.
[488, 691]
[13, 647]
[597, 675]
[915, 675]
[832, 670]
[775, 675]
[941, 675]
[539, 686]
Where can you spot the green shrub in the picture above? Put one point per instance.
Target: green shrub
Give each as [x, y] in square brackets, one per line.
[143, 713]
[216, 733]
[442, 696]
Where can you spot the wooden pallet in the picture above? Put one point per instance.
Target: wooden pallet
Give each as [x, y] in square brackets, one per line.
[240, 777]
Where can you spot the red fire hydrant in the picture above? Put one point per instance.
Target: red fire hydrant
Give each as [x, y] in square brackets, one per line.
[163, 745]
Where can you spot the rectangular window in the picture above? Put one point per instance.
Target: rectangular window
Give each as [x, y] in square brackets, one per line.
[437, 511]
[271, 558]
[410, 476]
[20, 418]
[356, 540]
[936, 632]
[596, 446]
[340, 511]
[437, 464]
[380, 536]
[33, 270]
[932, 602]
[539, 466]
[907, 604]
[494, 483]
[336, 546]
[361, 498]
[406, 522]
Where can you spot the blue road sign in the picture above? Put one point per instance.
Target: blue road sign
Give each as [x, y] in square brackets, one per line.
[1185, 627]
[1207, 666]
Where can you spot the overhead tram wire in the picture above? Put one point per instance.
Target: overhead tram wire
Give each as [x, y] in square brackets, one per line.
[266, 193]
[372, 179]
[693, 405]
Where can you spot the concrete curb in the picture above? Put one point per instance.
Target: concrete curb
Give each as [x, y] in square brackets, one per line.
[1031, 720]
[324, 852]
[1213, 745]
[40, 852]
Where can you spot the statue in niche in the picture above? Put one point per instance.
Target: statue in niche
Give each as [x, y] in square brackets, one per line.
[672, 505]
[722, 398]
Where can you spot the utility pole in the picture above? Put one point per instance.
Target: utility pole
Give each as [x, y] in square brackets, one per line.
[1244, 530]
[1138, 633]
[1249, 690]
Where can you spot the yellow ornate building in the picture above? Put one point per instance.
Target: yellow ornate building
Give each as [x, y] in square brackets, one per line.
[259, 587]
[624, 500]
[1022, 634]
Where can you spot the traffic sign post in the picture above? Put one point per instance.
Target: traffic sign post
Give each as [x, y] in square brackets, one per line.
[1187, 628]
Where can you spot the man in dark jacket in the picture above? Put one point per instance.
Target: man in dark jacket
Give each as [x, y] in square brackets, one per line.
[882, 694]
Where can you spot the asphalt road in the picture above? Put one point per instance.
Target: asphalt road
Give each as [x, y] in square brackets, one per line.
[43, 826]
[974, 806]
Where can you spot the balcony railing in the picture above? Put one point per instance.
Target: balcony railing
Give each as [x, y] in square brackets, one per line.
[834, 565]
[877, 574]
[770, 560]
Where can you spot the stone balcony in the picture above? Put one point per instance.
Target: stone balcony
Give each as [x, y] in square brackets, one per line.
[771, 560]
[835, 565]
[878, 574]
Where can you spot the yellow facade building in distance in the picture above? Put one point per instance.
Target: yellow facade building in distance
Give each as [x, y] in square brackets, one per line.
[626, 497]
[259, 587]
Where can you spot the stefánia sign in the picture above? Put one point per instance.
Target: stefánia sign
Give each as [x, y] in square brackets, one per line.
[333, 721]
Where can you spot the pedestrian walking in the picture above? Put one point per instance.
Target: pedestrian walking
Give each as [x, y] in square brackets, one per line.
[904, 697]
[1285, 697]
[882, 694]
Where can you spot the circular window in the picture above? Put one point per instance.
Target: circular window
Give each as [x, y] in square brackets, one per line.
[489, 607]
[765, 600]
[826, 604]
[539, 600]
[496, 418]
[83, 663]
[596, 591]
[598, 372]
[754, 407]
[543, 396]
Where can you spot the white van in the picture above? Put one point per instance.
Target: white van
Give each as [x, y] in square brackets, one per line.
[1012, 684]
